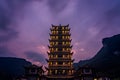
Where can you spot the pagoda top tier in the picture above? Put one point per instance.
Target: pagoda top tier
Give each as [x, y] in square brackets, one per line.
[60, 27]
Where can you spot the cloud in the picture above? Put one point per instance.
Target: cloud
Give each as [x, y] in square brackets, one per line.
[5, 52]
[35, 57]
[24, 24]
[7, 23]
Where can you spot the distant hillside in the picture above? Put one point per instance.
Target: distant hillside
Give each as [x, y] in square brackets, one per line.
[10, 67]
[108, 58]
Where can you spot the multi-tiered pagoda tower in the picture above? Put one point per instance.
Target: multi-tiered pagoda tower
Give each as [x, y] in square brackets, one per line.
[60, 63]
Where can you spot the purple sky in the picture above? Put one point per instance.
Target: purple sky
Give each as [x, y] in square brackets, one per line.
[24, 26]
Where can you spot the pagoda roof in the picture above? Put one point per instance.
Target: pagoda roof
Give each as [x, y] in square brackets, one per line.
[65, 60]
[60, 25]
[60, 40]
[68, 34]
[63, 46]
[60, 52]
[34, 66]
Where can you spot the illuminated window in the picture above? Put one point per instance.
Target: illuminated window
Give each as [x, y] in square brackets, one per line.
[50, 63]
[56, 32]
[63, 56]
[69, 71]
[56, 63]
[67, 43]
[63, 32]
[66, 37]
[56, 43]
[51, 56]
[63, 43]
[56, 37]
[63, 71]
[56, 56]
[63, 37]
[62, 27]
[63, 49]
[56, 49]
[55, 71]
[63, 63]
[67, 49]
[50, 71]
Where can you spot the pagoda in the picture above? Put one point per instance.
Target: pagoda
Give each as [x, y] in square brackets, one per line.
[60, 62]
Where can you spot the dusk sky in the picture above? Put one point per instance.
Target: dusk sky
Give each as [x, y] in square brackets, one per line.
[25, 24]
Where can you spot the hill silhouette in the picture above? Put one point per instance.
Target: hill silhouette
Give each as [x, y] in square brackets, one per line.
[12, 67]
[108, 58]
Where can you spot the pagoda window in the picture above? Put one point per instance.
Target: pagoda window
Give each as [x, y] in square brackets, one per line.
[50, 43]
[62, 27]
[67, 49]
[56, 56]
[63, 71]
[56, 49]
[66, 32]
[63, 37]
[69, 71]
[56, 27]
[51, 56]
[63, 49]
[68, 63]
[56, 32]
[56, 63]
[62, 32]
[63, 43]
[52, 32]
[67, 43]
[56, 37]
[50, 71]
[53, 37]
[63, 56]
[52, 49]
[55, 71]
[63, 63]
[50, 63]
[72, 71]
[66, 37]
[56, 43]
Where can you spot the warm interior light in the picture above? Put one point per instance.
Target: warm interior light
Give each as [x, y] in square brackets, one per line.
[95, 78]
[55, 71]
[63, 56]
[56, 63]
[56, 56]
[63, 71]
